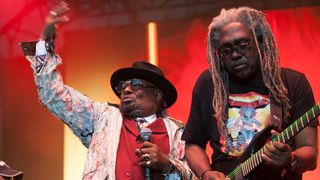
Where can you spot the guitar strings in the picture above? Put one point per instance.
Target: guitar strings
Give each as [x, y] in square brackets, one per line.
[257, 156]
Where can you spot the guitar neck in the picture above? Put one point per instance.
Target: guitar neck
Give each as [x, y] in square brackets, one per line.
[251, 163]
[298, 125]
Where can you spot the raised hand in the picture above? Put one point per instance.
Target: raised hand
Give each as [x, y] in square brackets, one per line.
[56, 16]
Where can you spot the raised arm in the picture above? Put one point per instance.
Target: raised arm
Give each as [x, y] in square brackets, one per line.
[74, 109]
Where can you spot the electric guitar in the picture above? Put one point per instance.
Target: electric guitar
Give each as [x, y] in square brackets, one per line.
[244, 166]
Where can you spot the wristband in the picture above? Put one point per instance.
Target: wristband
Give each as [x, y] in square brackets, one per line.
[41, 48]
[41, 54]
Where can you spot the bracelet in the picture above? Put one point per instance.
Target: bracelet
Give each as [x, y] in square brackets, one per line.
[204, 172]
[169, 170]
[53, 13]
[295, 163]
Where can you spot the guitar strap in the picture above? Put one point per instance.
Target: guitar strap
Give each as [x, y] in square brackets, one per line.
[276, 114]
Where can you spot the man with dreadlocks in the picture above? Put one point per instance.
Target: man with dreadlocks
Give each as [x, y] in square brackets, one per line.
[244, 92]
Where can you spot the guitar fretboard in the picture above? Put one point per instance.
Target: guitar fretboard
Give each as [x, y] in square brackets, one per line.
[251, 163]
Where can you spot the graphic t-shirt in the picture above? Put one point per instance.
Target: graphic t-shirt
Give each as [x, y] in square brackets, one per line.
[248, 114]
[202, 127]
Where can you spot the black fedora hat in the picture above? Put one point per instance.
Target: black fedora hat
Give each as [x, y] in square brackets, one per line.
[7, 172]
[148, 72]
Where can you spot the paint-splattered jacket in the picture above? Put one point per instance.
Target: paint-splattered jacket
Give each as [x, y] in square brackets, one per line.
[97, 124]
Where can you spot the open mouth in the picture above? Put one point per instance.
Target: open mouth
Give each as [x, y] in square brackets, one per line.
[127, 99]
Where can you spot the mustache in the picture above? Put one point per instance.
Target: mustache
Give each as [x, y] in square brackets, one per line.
[242, 60]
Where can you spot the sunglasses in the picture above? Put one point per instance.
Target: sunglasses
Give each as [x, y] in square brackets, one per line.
[240, 48]
[135, 84]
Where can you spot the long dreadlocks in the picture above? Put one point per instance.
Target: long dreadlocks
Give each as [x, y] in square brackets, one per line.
[268, 56]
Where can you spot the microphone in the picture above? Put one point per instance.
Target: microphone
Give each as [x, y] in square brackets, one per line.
[145, 134]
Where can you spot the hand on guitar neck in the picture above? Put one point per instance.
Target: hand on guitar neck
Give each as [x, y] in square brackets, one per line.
[277, 154]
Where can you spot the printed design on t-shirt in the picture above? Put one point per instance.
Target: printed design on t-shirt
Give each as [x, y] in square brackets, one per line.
[247, 114]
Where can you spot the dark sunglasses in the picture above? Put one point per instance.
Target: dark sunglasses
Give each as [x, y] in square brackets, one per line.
[135, 84]
[240, 48]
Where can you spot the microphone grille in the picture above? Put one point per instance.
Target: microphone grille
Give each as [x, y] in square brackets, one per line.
[145, 133]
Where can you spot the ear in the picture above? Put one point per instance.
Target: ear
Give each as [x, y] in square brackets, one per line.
[221, 64]
[158, 96]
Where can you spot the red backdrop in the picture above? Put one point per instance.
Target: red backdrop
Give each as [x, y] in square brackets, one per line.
[30, 134]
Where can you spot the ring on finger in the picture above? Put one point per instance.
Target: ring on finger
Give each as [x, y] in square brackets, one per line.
[53, 13]
[148, 164]
[146, 157]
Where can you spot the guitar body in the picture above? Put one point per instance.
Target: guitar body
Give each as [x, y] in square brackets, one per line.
[256, 144]
[250, 163]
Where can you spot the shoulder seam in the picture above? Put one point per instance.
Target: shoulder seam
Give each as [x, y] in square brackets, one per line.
[179, 123]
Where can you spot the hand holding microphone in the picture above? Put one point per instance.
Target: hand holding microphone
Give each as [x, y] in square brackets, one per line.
[145, 134]
[150, 154]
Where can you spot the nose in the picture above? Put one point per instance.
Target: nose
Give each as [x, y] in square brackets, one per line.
[235, 55]
[127, 89]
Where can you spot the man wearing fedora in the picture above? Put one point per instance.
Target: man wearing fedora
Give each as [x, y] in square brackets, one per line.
[112, 132]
